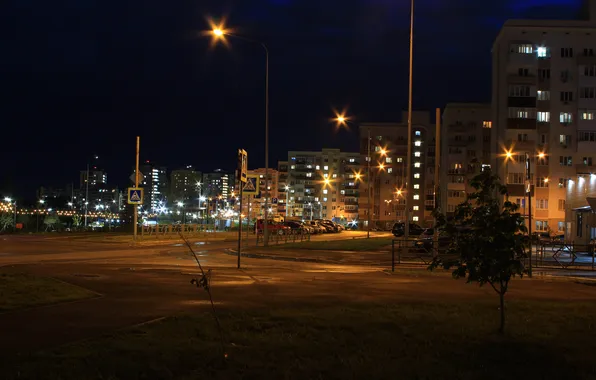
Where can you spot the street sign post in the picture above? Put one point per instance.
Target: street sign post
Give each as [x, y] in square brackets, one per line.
[251, 187]
[133, 177]
[135, 196]
[242, 164]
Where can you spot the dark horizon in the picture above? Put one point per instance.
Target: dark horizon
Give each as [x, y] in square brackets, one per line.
[85, 79]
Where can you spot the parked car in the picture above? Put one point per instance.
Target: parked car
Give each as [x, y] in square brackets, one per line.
[272, 227]
[329, 225]
[399, 229]
[307, 227]
[340, 227]
[427, 238]
[318, 229]
[296, 228]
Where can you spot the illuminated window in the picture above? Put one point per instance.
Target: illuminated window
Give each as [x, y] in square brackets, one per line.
[416, 154]
[334, 176]
[542, 52]
[352, 159]
[416, 197]
[325, 167]
[309, 166]
[325, 175]
[324, 199]
[417, 164]
[388, 160]
[416, 208]
[291, 167]
[418, 143]
[417, 133]
[309, 174]
[416, 175]
[415, 218]
[318, 167]
[325, 191]
[487, 124]
[416, 186]
[399, 159]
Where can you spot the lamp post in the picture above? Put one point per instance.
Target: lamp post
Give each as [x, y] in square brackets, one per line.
[409, 158]
[181, 206]
[41, 202]
[9, 200]
[220, 33]
[287, 200]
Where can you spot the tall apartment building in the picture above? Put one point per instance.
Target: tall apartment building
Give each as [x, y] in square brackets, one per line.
[323, 184]
[465, 150]
[155, 184]
[257, 203]
[283, 193]
[544, 105]
[185, 184]
[388, 153]
[96, 177]
[217, 183]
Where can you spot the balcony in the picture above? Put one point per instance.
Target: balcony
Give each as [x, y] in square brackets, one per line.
[521, 79]
[585, 169]
[518, 190]
[521, 101]
[521, 123]
[527, 145]
[455, 142]
[586, 60]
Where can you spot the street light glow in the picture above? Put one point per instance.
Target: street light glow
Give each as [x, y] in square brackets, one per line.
[8, 199]
[541, 155]
[217, 32]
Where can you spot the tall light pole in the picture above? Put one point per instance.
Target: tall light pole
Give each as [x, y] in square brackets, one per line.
[287, 200]
[409, 158]
[9, 200]
[220, 33]
[41, 202]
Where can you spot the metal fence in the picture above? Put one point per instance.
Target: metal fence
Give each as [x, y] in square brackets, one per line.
[173, 230]
[284, 238]
[544, 255]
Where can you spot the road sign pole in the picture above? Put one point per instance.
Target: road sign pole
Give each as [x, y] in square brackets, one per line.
[241, 185]
[136, 207]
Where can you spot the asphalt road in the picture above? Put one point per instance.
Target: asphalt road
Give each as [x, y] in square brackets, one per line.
[136, 284]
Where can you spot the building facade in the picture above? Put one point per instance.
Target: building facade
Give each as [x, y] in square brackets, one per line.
[465, 150]
[388, 157]
[544, 106]
[218, 183]
[257, 203]
[185, 184]
[580, 216]
[321, 185]
[155, 184]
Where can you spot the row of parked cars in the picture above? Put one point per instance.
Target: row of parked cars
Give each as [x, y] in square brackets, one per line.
[296, 227]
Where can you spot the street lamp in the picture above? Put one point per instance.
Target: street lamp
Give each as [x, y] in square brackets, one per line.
[287, 200]
[9, 200]
[219, 32]
[41, 201]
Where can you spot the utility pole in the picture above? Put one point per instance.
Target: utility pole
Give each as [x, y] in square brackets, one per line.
[136, 207]
[529, 192]
[368, 180]
[437, 189]
[409, 158]
[86, 194]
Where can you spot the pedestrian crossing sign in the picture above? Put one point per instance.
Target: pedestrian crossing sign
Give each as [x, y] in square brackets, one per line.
[135, 196]
[251, 187]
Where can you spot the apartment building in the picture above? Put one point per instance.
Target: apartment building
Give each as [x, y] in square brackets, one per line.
[185, 184]
[544, 106]
[465, 150]
[580, 218]
[323, 185]
[257, 203]
[282, 191]
[388, 157]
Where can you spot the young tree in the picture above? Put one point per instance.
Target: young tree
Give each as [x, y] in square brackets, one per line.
[6, 220]
[76, 221]
[51, 221]
[487, 238]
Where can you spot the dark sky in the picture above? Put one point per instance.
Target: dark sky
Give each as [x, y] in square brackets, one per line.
[83, 77]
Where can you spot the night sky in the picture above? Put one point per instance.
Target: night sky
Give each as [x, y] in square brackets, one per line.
[84, 77]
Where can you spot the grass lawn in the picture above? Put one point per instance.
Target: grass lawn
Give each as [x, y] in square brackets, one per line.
[371, 244]
[361, 341]
[22, 290]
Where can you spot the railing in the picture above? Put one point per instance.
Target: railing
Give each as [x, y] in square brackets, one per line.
[544, 254]
[173, 230]
[565, 255]
[290, 237]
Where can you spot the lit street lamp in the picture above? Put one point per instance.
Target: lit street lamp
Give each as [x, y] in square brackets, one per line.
[220, 33]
